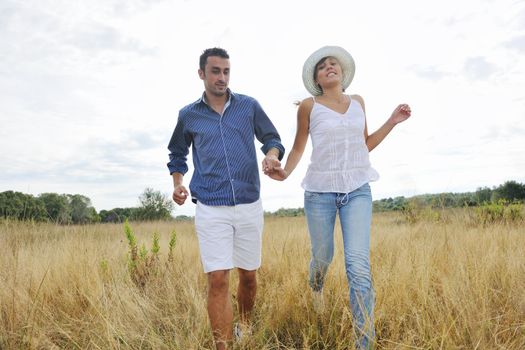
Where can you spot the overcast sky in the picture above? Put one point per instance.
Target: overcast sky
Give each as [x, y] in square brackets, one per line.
[90, 90]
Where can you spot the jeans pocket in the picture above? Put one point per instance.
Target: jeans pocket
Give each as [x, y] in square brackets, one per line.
[311, 195]
[365, 189]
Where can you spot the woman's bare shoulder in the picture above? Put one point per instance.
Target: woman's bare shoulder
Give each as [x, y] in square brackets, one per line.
[309, 101]
[358, 98]
[306, 104]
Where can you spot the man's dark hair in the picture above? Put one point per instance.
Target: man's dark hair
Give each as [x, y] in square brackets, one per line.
[216, 51]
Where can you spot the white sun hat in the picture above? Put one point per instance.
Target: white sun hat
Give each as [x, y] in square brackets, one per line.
[345, 60]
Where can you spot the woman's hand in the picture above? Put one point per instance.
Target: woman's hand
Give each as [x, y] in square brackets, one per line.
[270, 162]
[400, 114]
[277, 173]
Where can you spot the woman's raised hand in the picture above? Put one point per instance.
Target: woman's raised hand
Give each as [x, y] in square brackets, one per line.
[400, 114]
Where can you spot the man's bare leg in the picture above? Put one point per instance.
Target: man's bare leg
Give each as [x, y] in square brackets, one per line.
[220, 308]
[246, 294]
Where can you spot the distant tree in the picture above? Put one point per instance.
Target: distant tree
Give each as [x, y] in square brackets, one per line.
[462, 199]
[482, 195]
[117, 215]
[511, 191]
[21, 206]
[388, 204]
[109, 216]
[57, 207]
[443, 200]
[183, 218]
[93, 215]
[82, 212]
[289, 212]
[34, 209]
[11, 204]
[399, 203]
[154, 206]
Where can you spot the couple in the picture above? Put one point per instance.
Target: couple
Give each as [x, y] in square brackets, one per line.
[220, 128]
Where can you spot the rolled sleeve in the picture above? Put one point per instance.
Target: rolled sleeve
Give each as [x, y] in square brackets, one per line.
[273, 144]
[266, 132]
[179, 148]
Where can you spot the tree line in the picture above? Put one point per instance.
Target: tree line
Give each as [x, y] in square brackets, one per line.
[510, 191]
[153, 205]
[77, 209]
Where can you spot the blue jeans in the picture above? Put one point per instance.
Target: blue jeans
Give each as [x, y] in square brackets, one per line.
[355, 215]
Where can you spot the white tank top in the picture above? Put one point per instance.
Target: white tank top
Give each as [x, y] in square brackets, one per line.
[339, 161]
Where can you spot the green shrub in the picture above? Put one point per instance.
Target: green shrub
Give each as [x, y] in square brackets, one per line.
[501, 211]
[143, 264]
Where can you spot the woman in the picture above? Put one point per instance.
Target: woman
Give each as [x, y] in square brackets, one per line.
[337, 177]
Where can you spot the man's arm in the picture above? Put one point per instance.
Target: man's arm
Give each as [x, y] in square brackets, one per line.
[180, 193]
[267, 134]
[179, 149]
[271, 161]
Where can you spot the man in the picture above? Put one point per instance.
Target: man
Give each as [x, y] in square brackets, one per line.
[220, 128]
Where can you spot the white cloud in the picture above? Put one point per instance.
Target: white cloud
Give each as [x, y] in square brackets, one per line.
[429, 72]
[517, 43]
[479, 68]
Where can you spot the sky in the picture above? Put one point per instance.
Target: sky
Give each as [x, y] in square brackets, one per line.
[90, 90]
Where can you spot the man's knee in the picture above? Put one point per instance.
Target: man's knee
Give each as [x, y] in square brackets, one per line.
[248, 279]
[218, 281]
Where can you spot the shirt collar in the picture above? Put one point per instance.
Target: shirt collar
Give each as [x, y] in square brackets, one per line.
[230, 95]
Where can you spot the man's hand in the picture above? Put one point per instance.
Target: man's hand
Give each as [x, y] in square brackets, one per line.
[180, 194]
[270, 163]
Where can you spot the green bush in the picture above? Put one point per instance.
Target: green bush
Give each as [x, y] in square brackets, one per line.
[501, 211]
[143, 264]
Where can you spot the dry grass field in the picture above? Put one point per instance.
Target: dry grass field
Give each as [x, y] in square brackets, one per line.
[440, 284]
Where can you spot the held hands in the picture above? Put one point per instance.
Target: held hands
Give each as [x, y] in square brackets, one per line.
[272, 167]
[269, 163]
[180, 194]
[278, 174]
[400, 114]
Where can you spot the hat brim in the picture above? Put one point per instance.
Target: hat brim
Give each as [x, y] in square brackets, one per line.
[343, 57]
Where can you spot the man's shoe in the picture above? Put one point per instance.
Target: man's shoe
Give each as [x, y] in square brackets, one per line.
[241, 332]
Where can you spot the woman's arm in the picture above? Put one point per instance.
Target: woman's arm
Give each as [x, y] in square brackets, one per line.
[400, 114]
[301, 137]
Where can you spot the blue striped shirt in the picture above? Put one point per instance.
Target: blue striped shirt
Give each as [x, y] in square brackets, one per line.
[223, 149]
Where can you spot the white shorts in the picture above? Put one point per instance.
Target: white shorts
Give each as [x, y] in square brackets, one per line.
[230, 236]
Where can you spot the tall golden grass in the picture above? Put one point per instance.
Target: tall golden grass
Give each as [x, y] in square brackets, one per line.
[440, 284]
